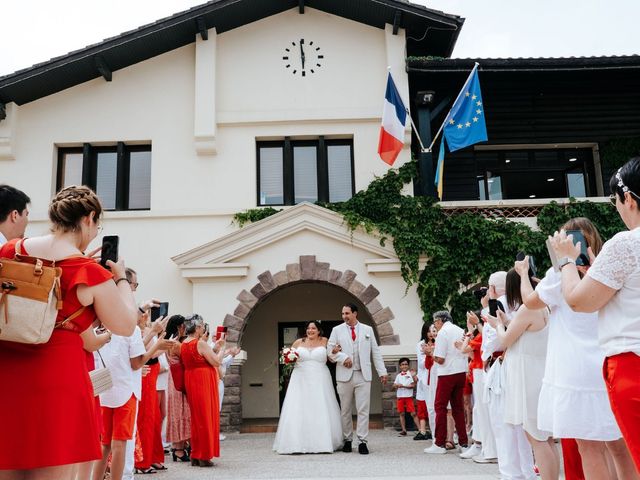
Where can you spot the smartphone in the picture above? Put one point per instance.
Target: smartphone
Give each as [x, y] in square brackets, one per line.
[552, 256]
[583, 258]
[219, 331]
[532, 263]
[109, 249]
[494, 305]
[160, 311]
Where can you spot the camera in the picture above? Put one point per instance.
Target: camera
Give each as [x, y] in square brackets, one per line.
[480, 293]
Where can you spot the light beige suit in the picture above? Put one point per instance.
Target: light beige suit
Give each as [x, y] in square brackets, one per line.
[355, 383]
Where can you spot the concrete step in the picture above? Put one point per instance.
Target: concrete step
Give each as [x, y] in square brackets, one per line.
[268, 425]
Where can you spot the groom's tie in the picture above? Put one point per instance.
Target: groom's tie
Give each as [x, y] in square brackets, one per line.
[353, 333]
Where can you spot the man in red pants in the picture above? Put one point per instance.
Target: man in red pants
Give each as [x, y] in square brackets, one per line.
[452, 370]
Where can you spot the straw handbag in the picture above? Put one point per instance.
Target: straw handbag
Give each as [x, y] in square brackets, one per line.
[101, 378]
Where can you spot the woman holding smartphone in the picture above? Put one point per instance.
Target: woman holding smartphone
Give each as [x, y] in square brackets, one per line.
[201, 382]
[612, 288]
[573, 401]
[49, 423]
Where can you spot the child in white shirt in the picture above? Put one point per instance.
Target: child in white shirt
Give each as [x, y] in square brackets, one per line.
[403, 385]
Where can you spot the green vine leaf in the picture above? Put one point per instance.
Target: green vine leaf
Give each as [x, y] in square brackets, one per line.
[462, 250]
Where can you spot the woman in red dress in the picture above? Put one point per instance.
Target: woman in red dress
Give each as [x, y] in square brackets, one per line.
[201, 383]
[48, 417]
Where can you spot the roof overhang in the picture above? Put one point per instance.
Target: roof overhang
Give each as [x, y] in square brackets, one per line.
[178, 30]
[449, 65]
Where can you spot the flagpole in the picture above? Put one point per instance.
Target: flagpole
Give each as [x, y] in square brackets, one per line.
[475, 67]
[413, 126]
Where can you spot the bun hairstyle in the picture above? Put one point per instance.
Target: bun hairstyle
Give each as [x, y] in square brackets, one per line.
[71, 204]
[192, 322]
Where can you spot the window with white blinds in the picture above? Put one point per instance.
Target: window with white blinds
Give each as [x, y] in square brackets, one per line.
[140, 180]
[72, 165]
[271, 176]
[120, 175]
[294, 171]
[106, 179]
[305, 174]
[339, 168]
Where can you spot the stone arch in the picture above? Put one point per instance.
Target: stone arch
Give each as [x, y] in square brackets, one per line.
[307, 269]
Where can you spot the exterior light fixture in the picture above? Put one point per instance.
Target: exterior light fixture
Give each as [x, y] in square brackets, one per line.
[550, 179]
[573, 159]
[532, 196]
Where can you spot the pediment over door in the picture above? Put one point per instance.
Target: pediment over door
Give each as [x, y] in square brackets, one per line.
[221, 258]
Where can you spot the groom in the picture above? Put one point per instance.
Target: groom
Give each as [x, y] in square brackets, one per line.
[351, 346]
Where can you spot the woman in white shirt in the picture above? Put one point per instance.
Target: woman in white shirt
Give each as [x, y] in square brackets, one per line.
[612, 287]
[573, 401]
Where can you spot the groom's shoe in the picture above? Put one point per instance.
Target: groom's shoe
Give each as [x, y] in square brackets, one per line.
[362, 449]
[346, 448]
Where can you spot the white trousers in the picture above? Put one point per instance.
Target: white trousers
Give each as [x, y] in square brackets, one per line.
[515, 456]
[430, 401]
[359, 389]
[482, 431]
[129, 458]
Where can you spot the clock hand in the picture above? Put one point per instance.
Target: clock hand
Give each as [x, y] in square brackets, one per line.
[302, 55]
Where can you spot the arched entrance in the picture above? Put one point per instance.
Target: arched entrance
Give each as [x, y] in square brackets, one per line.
[303, 291]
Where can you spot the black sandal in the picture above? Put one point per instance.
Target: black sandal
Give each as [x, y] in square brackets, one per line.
[144, 471]
[158, 466]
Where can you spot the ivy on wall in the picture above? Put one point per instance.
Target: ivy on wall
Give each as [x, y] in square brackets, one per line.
[617, 151]
[462, 249]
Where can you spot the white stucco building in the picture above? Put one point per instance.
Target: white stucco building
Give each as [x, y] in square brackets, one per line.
[225, 107]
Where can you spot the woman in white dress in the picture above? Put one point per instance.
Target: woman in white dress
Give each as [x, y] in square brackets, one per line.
[310, 417]
[573, 401]
[525, 341]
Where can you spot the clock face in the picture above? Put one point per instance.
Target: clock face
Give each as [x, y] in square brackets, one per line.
[302, 58]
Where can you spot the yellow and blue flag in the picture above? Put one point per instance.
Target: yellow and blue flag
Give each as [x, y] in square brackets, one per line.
[465, 124]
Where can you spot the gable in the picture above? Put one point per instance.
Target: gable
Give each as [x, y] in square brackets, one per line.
[304, 217]
[181, 29]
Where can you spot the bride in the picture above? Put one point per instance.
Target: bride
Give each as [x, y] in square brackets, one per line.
[310, 416]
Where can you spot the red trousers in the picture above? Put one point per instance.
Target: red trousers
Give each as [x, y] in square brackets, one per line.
[622, 377]
[149, 428]
[450, 389]
[572, 459]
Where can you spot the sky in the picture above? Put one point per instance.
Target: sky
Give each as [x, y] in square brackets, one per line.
[33, 31]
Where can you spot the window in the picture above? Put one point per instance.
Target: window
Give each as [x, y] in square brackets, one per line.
[543, 173]
[295, 171]
[120, 175]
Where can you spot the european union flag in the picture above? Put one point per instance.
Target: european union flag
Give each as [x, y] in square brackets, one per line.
[465, 123]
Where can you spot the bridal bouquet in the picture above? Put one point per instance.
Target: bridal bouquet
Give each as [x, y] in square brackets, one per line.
[288, 358]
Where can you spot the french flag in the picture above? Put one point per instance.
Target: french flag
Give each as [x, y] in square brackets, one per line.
[394, 117]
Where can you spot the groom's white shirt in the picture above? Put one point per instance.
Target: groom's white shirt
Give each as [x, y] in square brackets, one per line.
[367, 346]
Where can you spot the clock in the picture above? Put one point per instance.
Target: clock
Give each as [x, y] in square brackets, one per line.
[302, 58]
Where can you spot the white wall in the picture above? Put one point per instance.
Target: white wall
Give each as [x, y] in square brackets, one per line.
[193, 197]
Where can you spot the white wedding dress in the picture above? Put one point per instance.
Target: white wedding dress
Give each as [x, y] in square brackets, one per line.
[310, 417]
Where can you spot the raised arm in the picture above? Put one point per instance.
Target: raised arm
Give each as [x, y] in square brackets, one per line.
[529, 296]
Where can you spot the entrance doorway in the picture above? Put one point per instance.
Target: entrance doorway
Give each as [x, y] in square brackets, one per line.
[291, 306]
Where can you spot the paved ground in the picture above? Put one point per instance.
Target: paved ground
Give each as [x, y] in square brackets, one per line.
[249, 456]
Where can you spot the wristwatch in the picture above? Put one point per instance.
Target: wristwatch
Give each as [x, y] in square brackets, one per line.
[565, 261]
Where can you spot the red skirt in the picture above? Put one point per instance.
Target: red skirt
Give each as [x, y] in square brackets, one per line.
[47, 408]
